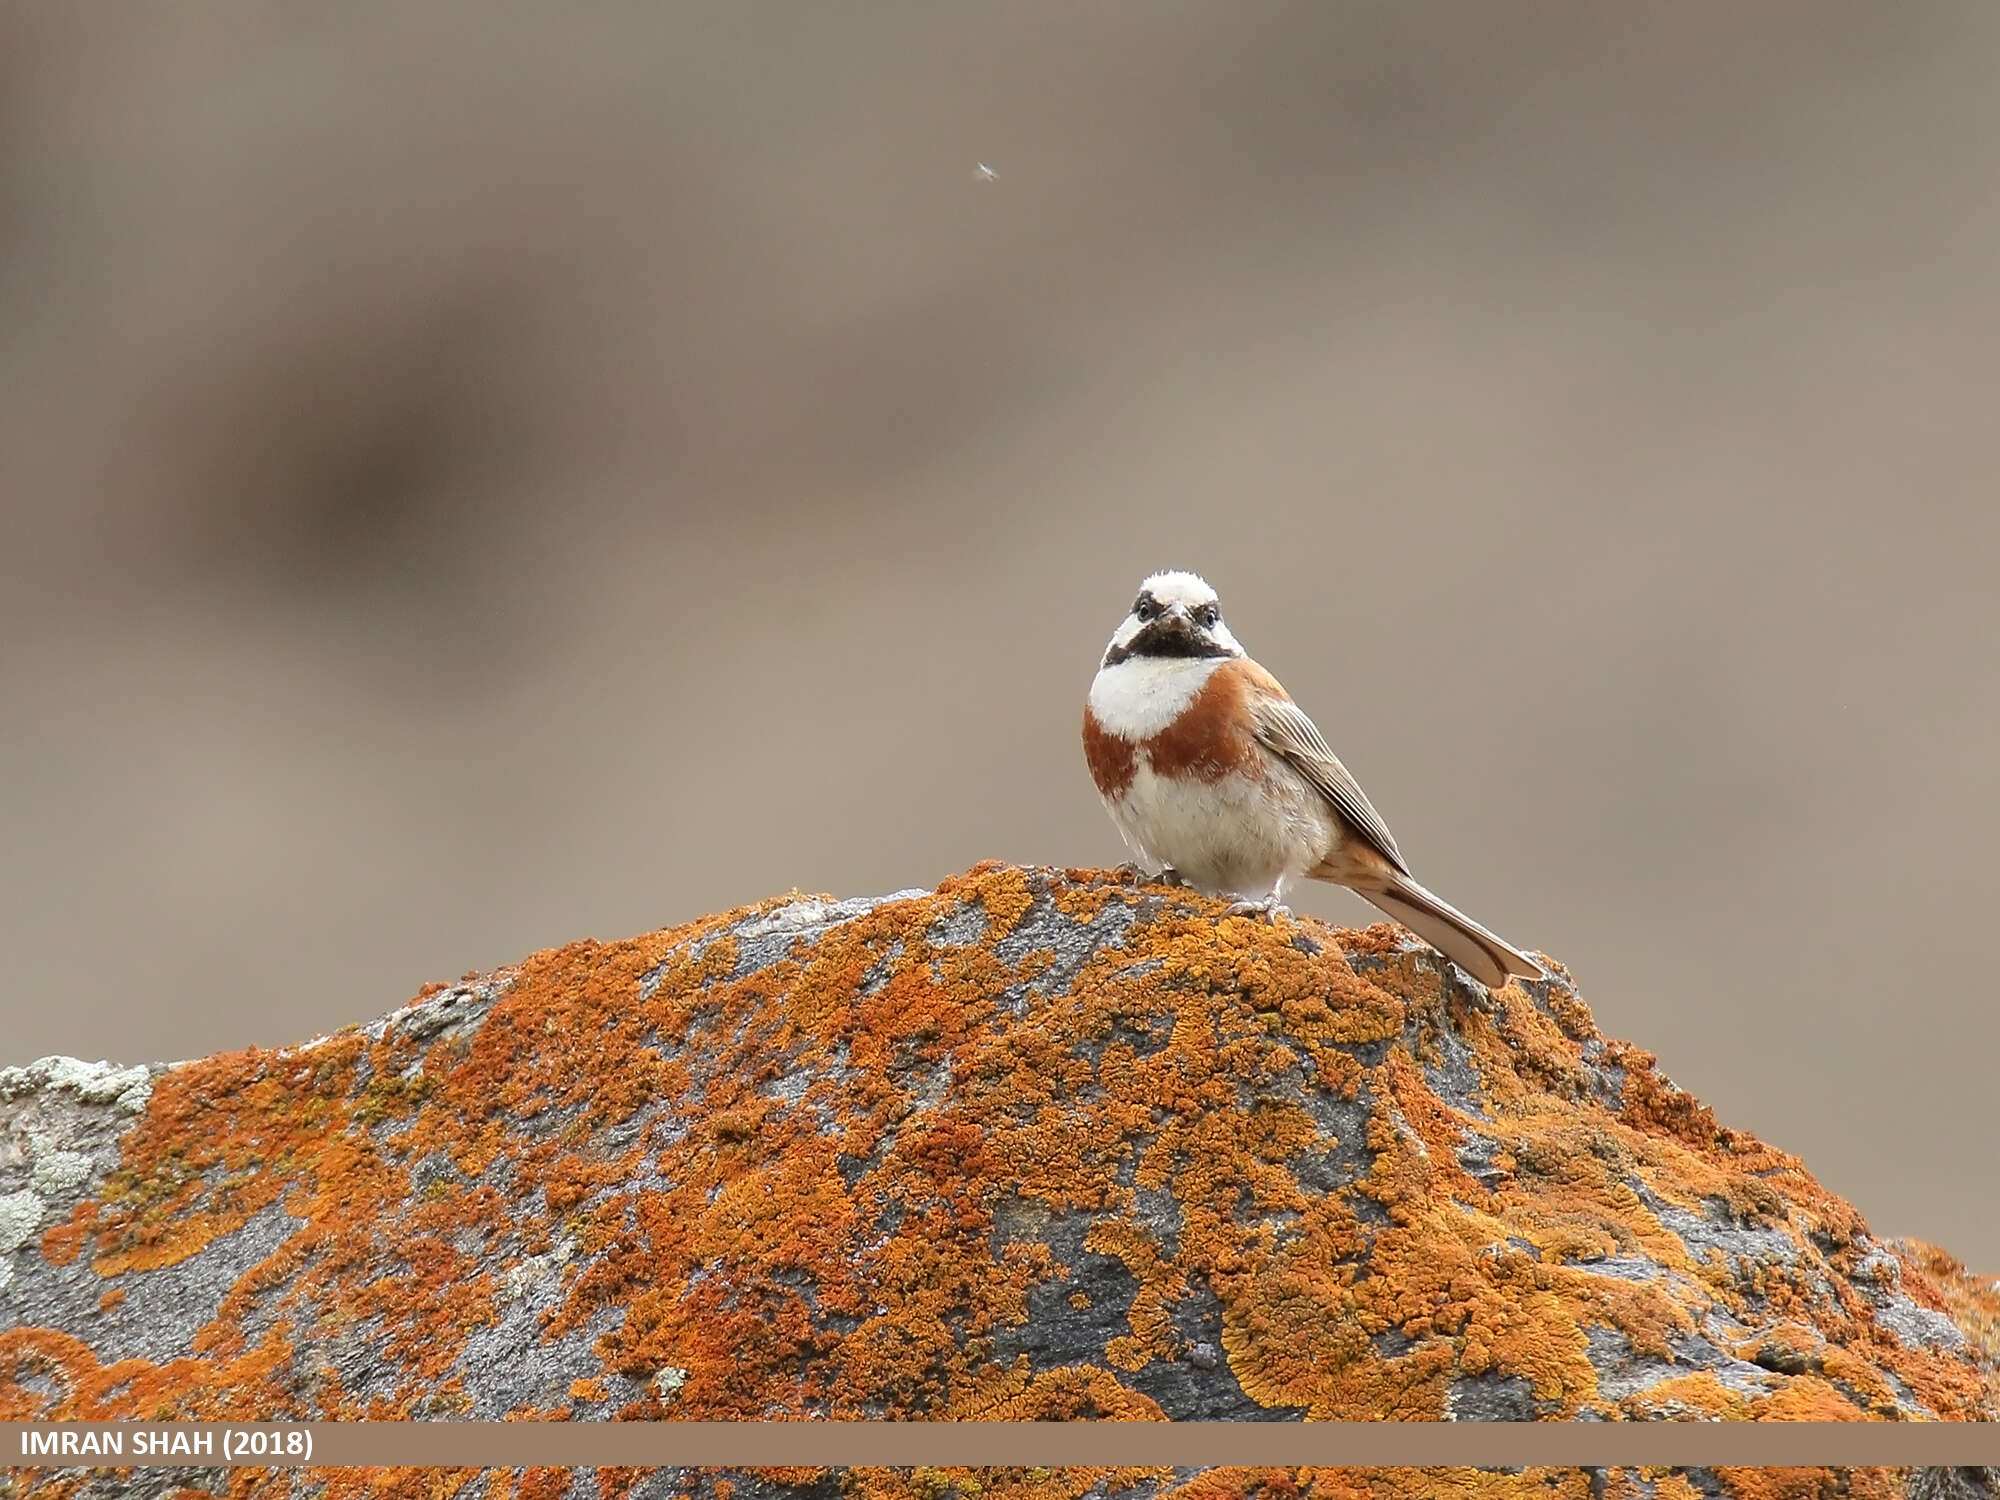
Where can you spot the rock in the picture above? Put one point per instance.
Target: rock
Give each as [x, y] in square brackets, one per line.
[1039, 1144]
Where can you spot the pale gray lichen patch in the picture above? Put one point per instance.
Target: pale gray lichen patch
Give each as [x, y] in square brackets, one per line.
[535, 1272]
[57, 1172]
[450, 1013]
[20, 1216]
[91, 1082]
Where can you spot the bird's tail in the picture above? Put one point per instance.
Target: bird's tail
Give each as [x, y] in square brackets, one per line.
[1485, 956]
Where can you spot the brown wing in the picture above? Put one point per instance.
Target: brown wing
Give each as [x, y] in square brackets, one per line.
[1284, 730]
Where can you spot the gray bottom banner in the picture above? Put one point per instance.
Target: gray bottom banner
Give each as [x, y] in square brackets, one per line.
[1006, 1444]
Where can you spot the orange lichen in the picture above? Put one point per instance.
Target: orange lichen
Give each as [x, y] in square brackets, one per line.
[831, 1186]
[62, 1243]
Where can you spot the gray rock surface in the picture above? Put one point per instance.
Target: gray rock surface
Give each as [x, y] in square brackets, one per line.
[1037, 1144]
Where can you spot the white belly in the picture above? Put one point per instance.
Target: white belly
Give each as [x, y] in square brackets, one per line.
[1238, 836]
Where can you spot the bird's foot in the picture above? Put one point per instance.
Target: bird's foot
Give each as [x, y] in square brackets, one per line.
[1267, 910]
[1169, 876]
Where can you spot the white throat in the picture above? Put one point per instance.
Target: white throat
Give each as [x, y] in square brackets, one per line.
[1142, 695]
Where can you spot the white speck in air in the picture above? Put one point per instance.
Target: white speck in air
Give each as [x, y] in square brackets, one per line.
[987, 174]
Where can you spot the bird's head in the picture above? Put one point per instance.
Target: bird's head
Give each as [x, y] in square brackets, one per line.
[1175, 615]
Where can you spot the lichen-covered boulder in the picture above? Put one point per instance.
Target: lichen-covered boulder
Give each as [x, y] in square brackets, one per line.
[1038, 1144]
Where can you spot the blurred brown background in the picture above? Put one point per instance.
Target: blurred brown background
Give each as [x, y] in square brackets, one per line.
[473, 478]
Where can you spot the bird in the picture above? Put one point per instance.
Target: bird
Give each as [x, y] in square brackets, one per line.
[1216, 779]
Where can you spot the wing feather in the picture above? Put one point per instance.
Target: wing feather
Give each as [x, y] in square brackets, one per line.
[1284, 730]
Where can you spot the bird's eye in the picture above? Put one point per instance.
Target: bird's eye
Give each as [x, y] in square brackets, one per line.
[1207, 616]
[1145, 608]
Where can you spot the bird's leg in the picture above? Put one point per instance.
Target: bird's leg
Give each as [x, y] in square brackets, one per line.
[1169, 876]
